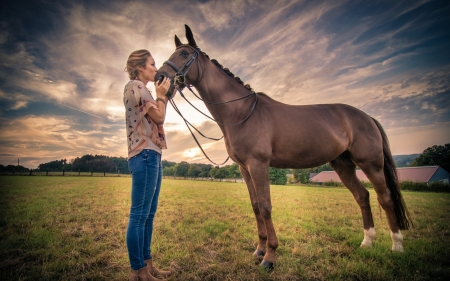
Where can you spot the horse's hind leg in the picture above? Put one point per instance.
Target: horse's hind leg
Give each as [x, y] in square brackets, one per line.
[345, 169]
[378, 180]
[262, 233]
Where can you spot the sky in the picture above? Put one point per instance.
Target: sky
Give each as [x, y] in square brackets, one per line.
[62, 68]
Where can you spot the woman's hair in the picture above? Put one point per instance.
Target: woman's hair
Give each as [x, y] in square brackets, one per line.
[136, 58]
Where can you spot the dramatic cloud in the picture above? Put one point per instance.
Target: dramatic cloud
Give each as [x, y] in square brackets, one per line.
[62, 62]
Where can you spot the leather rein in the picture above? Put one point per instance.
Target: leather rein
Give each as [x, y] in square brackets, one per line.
[180, 84]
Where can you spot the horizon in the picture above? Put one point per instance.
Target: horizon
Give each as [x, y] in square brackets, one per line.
[195, 163]
[62, 68]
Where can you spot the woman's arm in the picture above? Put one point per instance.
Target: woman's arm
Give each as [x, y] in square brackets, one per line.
[159, 114]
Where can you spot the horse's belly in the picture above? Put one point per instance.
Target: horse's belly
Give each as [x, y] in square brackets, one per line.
[301, 153]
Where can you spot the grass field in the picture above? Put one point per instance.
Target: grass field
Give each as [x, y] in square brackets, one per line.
[73, 228]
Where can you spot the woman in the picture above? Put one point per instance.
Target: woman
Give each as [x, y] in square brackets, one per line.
[145, 137]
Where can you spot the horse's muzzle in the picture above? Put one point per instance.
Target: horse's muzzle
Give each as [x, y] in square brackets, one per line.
[160, 78]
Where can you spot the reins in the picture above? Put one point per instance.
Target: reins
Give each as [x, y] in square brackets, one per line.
[223, 124]
[180, 78]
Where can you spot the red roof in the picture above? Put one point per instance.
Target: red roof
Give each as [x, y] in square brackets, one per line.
[416, 174]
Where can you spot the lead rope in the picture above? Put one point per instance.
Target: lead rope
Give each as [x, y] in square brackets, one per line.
[223, 124]
[195, 138]
[188, 124]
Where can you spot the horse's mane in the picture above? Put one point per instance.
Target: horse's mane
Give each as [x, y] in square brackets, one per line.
[227, 71]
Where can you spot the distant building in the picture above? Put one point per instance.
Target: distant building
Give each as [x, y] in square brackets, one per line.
[425, 174]
[311, 175]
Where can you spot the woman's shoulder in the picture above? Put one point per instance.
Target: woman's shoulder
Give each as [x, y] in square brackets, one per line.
[133, 83]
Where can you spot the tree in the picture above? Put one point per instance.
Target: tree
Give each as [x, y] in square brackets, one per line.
[56, 165]
[13, 168]
[219, 173]
[434, 155]
[205, 169]
[181, 169]
[233, 171]
[194, 171]
[166, 163]
[213, 172]
[169, 171]
[277, 176]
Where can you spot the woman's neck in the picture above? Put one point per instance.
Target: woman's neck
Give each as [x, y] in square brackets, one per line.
[142, 80]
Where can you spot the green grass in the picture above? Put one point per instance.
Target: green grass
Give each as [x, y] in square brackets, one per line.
[73, 228]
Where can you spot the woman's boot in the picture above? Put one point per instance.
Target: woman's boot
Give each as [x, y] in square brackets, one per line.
[156, 272]
[140, 275]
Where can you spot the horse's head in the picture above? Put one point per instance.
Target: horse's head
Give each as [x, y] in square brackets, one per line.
[178, 66]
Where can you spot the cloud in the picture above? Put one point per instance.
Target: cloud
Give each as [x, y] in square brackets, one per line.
[19, 104]
[62, 65]
[51, 137]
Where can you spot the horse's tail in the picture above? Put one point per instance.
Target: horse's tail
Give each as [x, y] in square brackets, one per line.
[390, 174]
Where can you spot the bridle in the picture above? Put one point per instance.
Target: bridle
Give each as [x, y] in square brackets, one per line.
[180, 77]
[180, 84]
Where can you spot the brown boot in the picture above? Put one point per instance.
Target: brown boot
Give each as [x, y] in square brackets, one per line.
[140, 275]
[156, 272]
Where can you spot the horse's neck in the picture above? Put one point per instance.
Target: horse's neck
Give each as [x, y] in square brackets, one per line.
[216, 86]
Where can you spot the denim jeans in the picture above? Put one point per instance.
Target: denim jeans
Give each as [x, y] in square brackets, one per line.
[146, 174]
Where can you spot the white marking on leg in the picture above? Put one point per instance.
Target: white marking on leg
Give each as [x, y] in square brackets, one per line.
[369, 235]
[397, 241]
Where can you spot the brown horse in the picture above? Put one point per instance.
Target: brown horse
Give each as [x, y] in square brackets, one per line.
[273, 134]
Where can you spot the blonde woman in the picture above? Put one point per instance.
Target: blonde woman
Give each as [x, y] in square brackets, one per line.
[146, 140]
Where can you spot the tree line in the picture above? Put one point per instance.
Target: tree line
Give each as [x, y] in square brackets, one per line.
[434, 155]
[184, 169]
[88, 163]
[103, 163]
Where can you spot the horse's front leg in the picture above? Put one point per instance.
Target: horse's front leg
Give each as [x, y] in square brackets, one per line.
[259, 174]
[262, 233]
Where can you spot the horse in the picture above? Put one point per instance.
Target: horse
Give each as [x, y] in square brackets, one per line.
[260, 132]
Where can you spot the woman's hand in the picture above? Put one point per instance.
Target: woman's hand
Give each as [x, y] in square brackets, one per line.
[158, 114]
[162, 88]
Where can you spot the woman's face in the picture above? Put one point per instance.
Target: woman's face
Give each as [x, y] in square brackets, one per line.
[149, 71]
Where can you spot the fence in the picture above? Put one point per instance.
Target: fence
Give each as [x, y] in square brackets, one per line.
[104, 174]
[64, 173]
[241, 180]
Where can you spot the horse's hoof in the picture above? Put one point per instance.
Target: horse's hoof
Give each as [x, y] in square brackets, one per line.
[259, 254]
[267, 265]
[366, 244]
[397, 248]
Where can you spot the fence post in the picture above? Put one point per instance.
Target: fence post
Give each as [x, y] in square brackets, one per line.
[92, 172]
[46, 172]
[31, 172]
[63, 172]
[78, 171]
[104, 173]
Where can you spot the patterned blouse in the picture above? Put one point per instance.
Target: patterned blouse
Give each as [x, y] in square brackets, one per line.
[142, 132]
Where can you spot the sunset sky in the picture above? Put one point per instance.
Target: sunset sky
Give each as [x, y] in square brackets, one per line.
[62, 68]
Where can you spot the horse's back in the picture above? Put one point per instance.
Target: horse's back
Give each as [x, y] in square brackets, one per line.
[311, 135]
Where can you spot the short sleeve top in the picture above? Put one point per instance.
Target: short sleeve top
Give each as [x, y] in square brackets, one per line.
[142, 132]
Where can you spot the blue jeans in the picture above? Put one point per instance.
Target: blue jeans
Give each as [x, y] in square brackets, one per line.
[146, 174]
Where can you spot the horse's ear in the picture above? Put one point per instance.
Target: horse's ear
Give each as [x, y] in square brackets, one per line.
[190, 36]
[177, 42]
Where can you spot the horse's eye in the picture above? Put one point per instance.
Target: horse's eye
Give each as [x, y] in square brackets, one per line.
[184, 53]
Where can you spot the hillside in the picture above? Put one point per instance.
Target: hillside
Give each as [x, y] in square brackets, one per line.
[404, 160]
